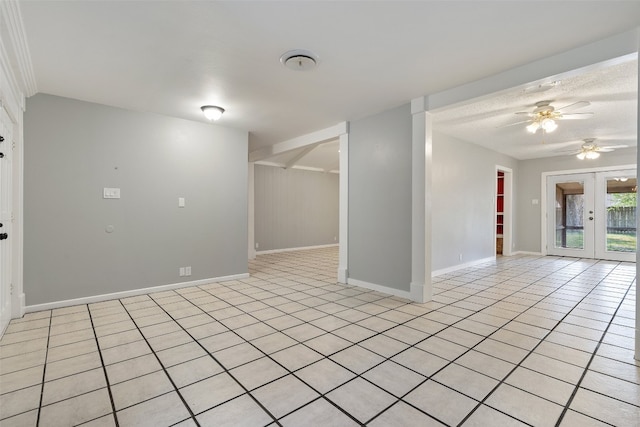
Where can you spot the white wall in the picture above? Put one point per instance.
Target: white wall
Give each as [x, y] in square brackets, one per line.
[73, 149]
[528, 188]
[463, 192]
[295, 208]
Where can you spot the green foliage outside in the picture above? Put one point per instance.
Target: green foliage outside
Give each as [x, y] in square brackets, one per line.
[618, 242]
[623, 200]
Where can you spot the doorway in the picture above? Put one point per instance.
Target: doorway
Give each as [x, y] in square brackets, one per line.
[593, 215]
[503, 208]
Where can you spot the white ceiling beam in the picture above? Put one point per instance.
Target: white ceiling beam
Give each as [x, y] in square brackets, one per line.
[312, 138]
[292, 162]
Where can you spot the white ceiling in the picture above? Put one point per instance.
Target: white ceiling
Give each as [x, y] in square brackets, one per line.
[171, 57]
[611, 90]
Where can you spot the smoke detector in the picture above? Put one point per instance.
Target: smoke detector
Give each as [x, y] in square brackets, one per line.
[299, 60]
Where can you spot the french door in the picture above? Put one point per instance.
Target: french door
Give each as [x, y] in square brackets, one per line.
[593, 215]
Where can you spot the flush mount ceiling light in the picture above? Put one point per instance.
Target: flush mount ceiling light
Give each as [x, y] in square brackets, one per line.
[299, 60]
[212, 112]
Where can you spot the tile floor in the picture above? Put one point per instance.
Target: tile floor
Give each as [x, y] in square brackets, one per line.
[539, 341]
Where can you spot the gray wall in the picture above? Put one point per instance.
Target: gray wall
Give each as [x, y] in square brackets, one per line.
[295, 208]
[528, 188]
[464, 183]
[73, 149]
[380, 199]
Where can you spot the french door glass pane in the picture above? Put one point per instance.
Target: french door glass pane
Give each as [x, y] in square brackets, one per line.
[569, 215]
[621, 203]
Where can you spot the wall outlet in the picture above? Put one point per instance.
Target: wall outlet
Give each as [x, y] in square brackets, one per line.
[181, 271]
[335, 239]
[257, 245]
[460, 257]
[187, 271]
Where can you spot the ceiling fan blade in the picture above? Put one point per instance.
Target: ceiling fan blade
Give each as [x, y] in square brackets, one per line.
[613, 147]
[604, 150]
[513, 124]
[575, 116]
[568, 152]
[525, 112]
[574, 106]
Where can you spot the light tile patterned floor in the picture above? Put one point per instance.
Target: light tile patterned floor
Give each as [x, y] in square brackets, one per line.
[527, 340]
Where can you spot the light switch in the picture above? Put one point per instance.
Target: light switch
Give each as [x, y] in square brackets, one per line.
[181, 202]
[110, 193]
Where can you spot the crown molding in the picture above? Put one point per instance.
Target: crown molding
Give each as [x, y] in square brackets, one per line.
[17, 47]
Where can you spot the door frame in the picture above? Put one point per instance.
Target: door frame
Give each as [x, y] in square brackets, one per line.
[543, 196]
[507, 210]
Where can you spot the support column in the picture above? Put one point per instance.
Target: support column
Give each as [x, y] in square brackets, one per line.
[251, 228]
[421, 285]
[343, 251]
[637, 355]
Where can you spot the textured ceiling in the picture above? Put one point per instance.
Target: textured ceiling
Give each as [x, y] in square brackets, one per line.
[611, 90]
[171, 57]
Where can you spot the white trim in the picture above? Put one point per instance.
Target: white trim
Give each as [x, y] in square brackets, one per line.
[462, 266]
[17, 38]
[543, 194]
[299, 167]
[343, 210]
[421, 159]
[313, 138]
[301, 248]
[133, 292]
[507, 210]
[292, 162]
[251, 208]
[379, 288]
[528, 253]
[272, 164]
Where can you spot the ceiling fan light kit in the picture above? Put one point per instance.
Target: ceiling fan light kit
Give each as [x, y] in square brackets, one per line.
[546, 117]
[590, 150]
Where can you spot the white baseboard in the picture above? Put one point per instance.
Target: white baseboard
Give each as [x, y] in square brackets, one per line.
[22, 307]
[343, 275]
[301, 248]
[526, 253]
[461, 266]
[131, 293]
[420, 294]
[379, 288]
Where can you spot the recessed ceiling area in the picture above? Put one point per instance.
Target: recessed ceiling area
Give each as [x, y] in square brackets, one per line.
[610, 89]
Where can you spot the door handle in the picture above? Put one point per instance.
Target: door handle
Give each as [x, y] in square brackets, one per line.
[4, 236]
[591, 218]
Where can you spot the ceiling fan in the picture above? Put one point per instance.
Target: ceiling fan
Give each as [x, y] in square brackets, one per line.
[590, 150]
[545, 116]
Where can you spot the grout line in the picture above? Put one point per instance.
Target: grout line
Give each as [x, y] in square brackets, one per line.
[44, 371]
[559, 322]
[164, 369]
[593, 355]
[226, 370]
[104, 369]
[305, 279]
